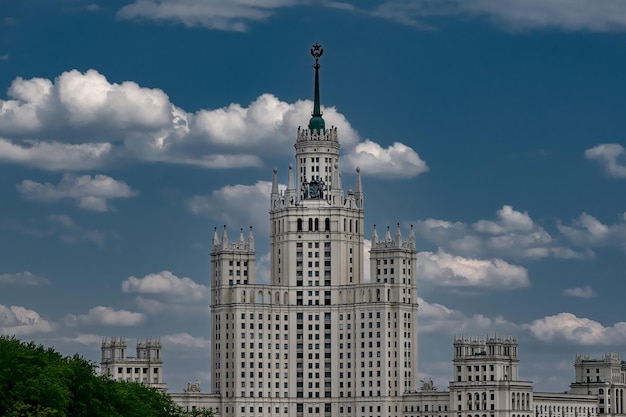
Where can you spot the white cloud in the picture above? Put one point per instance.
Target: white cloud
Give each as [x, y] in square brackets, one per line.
[447, 270]
[611, 156]
[589, 231]
[262, 269]
[233, 15]
[509, 220]
[91, 193]
[568, 15]
[55, 156]
[85, 339]
[581, 292]
[25, 278]
[167, 285]
[82, 121]
[20, 321]
[580, 331]
[437, 318]
[244, 205]
[513, 234]
[106, 316]
[186, 341]
[396, 161]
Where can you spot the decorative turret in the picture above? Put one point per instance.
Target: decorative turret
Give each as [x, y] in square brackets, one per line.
[317, 123]
[358, 190]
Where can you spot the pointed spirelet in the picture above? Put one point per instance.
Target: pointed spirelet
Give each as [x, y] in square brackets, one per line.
[241, 239]
[275, 182]
[216, 240]
[374, 236]
[412, 235]
[398, 234]
[358, 190]
[290, 185]
[388, 235]
[251, 239]
[224, 237]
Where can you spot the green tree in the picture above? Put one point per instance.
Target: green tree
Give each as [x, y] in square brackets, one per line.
[39, 382]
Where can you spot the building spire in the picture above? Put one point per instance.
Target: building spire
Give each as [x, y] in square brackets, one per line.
[216, 240]
[317, 123]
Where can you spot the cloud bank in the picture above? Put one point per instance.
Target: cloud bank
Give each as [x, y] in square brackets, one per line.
[447, 270]
[511, 235]
[25, 278]
[577, 330]
[90, 193]
[612, 158]
[82, 121]
[512, 15]
[20, 321]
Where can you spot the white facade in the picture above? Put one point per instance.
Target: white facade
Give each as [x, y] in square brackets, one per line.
[145, 368]
[604, 378]
[318, 340]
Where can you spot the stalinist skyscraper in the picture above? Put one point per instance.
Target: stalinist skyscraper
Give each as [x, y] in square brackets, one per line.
[319, 340]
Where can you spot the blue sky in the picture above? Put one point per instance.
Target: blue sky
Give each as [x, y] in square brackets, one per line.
[129, 130]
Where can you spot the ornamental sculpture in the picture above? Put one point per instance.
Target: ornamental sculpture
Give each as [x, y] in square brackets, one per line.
[313, 190]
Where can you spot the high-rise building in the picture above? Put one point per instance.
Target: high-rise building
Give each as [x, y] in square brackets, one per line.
[319, 339]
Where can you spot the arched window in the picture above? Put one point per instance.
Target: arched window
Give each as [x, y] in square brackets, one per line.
[310, 225]
[327, 224]
[317, 224]
[299, 225]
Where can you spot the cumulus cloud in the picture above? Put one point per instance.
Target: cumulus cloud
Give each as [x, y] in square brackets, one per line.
[448, 270]
[244, 205]
[106, 316]
[396, 161]
[577, 330]
[23, 279]
[167, 285]
[611, 156]
[20, 321]
[513, 234]
[55, 156]
[589, 231]
[568, 15]
[437, 318]
[580, 292]
[91, 193]
[186, 341]
[82, 121]
[234, 15]
[85, 339]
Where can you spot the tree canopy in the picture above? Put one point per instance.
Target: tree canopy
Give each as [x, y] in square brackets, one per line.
[36, 381]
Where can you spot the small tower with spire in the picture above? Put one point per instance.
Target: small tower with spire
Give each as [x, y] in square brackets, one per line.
[392, 260]
[232, 262]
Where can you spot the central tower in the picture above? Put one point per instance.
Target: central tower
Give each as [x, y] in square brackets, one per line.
[316, 231]
[319, 340]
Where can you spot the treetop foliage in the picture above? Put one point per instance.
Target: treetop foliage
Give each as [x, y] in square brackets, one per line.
[36, 381]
